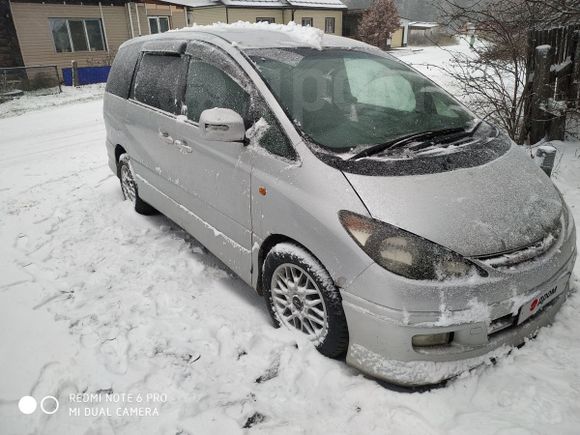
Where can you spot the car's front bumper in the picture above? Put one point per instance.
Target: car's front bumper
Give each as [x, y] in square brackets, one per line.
[381, 337]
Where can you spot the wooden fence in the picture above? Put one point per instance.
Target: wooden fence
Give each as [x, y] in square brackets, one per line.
[553, 81]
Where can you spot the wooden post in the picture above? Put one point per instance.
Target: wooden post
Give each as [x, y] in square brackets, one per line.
[575, 88]
[526, 93]
[57, 78]
[541, 92]
[75, 73]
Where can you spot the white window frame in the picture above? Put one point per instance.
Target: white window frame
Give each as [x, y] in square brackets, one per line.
[266, 20]
[310, 19]
[72, 47]
[327, 21]
[156, 18]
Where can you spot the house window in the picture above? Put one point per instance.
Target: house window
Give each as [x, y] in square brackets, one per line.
[307, 21]
[329, 24]
[158, 24]
[265, 20]
[77, 34]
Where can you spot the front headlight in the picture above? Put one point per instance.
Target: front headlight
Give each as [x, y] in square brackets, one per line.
[405, 253]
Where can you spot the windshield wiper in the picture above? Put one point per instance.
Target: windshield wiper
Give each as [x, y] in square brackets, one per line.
[404, 140]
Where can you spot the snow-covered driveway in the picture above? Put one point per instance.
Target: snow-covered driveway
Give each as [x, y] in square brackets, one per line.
[97, 299]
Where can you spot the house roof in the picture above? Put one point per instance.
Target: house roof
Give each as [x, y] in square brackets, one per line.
[331, 4]
[302, 4]
[422, 25]
[357, 5]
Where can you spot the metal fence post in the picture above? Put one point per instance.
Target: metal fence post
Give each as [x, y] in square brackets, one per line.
[75, 73]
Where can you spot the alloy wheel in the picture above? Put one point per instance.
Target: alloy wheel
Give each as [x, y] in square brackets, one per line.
[298, 301]
[128, 183]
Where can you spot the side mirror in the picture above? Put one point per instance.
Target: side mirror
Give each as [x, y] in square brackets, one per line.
[223, 125]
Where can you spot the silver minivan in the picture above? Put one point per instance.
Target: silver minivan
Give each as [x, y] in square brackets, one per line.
[374, 213]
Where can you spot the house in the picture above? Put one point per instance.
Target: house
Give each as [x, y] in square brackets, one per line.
[51, 32]
[56, 32]
[325, 15]
[399, 38]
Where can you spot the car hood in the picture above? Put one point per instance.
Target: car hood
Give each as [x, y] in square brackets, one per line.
[500, 206]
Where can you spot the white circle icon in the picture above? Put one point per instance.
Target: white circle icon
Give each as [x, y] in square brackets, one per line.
[27, 404]
[52, 407]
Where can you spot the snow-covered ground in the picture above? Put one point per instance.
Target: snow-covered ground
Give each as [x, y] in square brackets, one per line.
[30, 101]
[96, 299]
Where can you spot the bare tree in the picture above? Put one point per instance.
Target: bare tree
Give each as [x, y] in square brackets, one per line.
[379, 22]
[494, 77]
[557, 12]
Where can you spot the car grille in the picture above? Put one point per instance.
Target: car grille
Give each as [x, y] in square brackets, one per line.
[530, 252]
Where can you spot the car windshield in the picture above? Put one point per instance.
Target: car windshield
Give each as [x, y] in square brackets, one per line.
[353, 98]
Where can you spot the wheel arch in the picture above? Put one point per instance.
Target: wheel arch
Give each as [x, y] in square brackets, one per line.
[267, 245]
[119, 150]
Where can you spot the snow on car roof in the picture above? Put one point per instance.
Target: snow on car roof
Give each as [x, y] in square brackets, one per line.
[267, 35]
[318, 4]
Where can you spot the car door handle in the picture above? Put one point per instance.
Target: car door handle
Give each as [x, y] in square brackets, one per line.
[165, 137]
[183, 147]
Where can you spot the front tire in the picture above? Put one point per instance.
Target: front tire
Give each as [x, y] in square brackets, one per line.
[300, 294]
[129, 186]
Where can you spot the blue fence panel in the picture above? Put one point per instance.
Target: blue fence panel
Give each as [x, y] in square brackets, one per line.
[87, 75]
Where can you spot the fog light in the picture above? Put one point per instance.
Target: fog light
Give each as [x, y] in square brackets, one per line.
[431, 339]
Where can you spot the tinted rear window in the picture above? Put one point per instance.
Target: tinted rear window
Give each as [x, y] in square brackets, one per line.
[159, 82]
[119, 82]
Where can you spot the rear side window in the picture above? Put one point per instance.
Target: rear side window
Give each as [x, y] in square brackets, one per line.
[209, 87]
[159, 82]
[119, 82]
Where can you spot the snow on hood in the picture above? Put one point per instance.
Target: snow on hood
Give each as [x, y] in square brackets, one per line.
[297, 35]
[504, 205]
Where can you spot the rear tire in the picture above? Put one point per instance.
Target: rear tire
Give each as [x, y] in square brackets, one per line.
[300, 294]
[129, 186]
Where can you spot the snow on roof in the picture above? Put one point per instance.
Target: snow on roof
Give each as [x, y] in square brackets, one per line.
[265, 35]
[194, 3]
[256, 3]
[422, 25]
[327, 4]
[331, 4]
[417, 24]
[357, 5]
[248, 34]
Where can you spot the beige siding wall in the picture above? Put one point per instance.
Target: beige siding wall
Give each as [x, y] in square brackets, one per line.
[287, 16]
[176, 14]
[397, 38]
[319, 17]
[140, 22]
[239, 14]
[203, 16]
[35, 37]
[212, 15]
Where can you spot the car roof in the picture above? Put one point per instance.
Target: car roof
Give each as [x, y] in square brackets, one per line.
[262, 35]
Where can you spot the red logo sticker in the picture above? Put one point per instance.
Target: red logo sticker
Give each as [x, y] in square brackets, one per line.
[534, 305]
